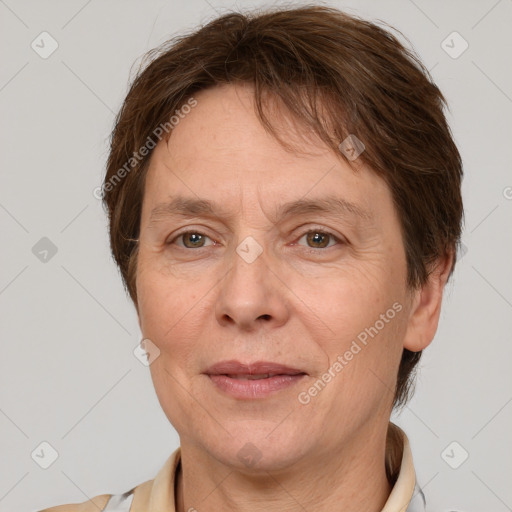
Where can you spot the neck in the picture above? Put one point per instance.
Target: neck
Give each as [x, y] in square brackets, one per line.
[351, 479]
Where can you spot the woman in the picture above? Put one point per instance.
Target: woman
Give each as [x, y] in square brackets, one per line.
[284, 202]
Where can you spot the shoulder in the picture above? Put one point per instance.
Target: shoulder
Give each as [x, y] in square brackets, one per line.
[139, 496]
[92, 505]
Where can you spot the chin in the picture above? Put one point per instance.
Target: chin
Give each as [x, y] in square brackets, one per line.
[260, 447]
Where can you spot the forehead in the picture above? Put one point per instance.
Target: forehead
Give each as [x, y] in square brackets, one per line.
[225, 123]
[221, 151]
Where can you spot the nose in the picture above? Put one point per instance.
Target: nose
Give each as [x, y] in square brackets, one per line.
[252, 296]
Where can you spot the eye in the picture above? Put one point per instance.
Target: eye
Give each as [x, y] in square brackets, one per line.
[317, 239]
[191, 240]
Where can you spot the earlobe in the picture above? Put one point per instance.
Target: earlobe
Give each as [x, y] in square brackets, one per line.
[426, 307]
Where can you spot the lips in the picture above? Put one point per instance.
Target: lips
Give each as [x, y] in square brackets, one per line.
[252, 371]
[252, 377]
[251, 381]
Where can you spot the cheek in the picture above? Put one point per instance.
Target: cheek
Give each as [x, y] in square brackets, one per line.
[170, 308]
[365, 358]
[362, 309]
[346, 299]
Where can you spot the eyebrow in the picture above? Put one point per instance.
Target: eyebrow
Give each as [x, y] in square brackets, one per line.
[180, 206]
[328, 204]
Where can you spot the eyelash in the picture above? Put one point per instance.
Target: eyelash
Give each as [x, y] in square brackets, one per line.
[321, 231]
[309, 249]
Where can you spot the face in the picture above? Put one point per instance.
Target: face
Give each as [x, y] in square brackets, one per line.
[252, 253]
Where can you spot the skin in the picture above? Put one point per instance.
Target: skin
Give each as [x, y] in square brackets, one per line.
[301, 303]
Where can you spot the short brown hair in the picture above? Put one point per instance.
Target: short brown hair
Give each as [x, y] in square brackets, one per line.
[374, 87]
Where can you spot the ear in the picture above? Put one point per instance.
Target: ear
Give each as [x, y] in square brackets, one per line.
[426, 306]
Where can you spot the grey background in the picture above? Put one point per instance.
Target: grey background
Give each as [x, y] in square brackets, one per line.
[68, 373]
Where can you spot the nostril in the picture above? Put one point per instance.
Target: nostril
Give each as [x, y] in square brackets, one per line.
[265, 317]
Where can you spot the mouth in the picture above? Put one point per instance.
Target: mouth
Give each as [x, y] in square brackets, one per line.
[254, 370]
[257, 377]
[253, 380]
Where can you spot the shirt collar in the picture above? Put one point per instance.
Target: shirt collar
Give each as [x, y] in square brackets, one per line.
[406, 496]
